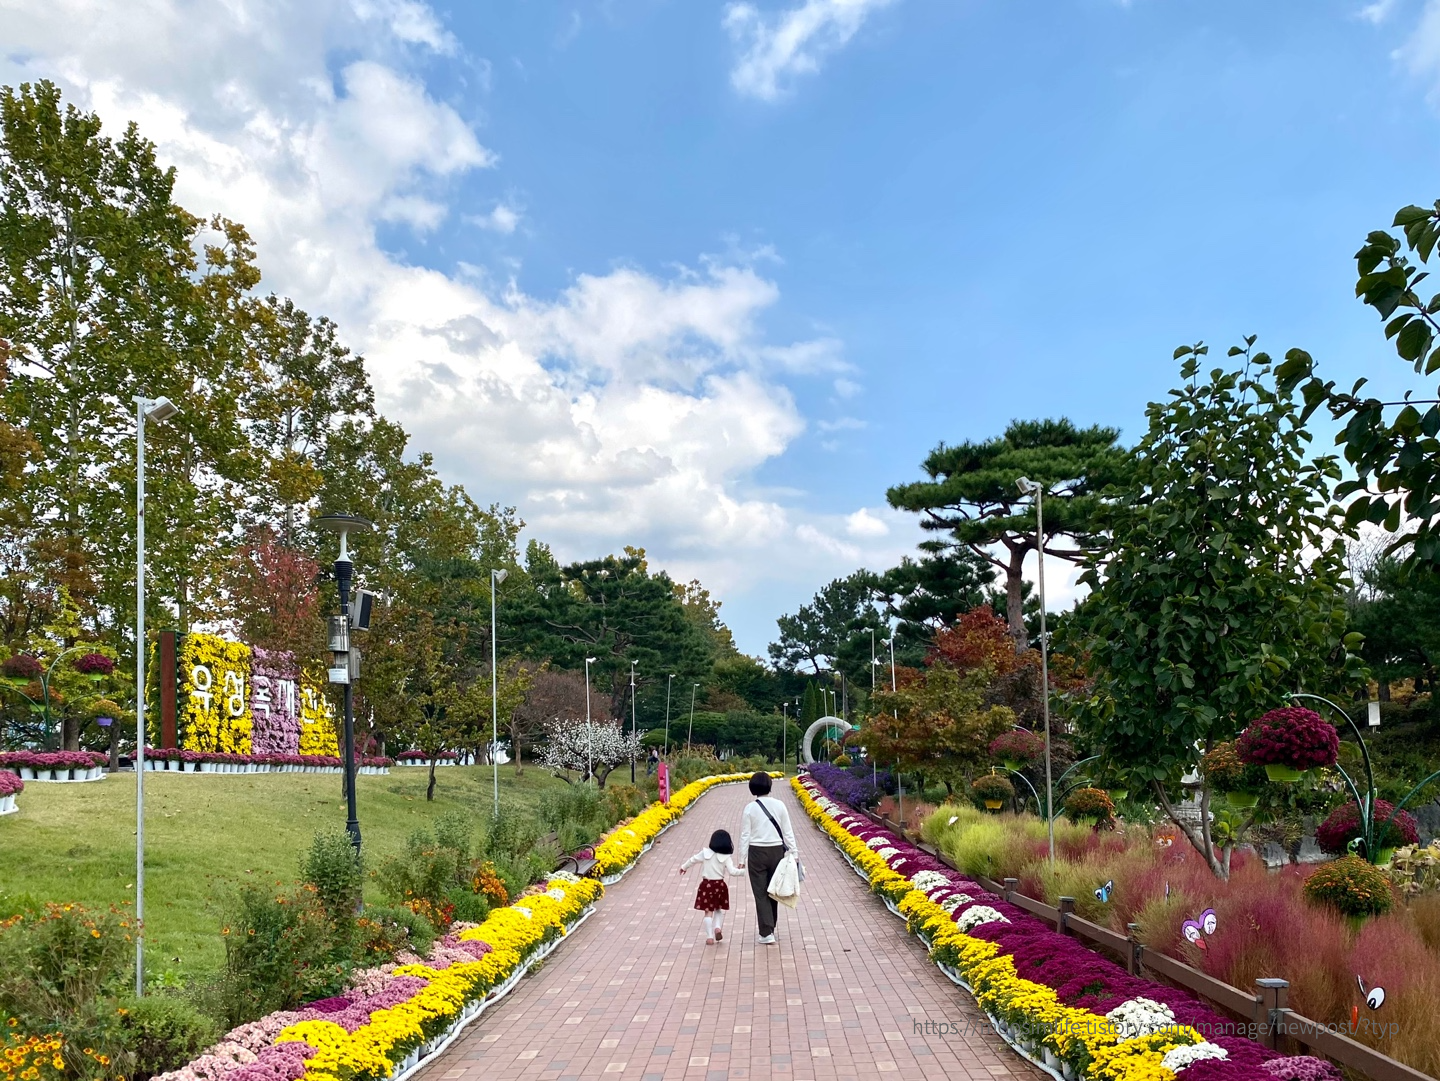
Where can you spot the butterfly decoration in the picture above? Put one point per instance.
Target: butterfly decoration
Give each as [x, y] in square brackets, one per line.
[1195, 931]
[1164, 841]
[953, 820]
[1375, 997]
[1167, 891]
[1102, 894]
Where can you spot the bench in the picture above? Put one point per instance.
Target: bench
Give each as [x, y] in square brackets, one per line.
[580, 863]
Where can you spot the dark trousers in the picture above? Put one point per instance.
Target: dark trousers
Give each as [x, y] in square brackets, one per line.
[761, 862]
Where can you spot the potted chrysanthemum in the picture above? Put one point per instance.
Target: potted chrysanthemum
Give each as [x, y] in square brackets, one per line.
[1089, 805]
[993, 790]
[1225, 772]
[1017, 748]
[1289, 742]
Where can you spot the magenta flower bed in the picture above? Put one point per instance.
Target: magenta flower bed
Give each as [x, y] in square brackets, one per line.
[174, 754]
[42, 760]
[421, 756]
[1080, 978]
[10, 783]
[1343, 824]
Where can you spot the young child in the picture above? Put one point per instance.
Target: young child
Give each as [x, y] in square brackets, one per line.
[713, 896]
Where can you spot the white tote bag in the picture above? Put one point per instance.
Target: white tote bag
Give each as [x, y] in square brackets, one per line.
[785, 882]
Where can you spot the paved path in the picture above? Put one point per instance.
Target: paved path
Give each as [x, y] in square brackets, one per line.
[636, 993]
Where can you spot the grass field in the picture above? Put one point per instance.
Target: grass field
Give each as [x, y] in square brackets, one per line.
[206, 832]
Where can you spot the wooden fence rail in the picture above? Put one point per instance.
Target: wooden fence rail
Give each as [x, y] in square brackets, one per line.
[1263, 1015]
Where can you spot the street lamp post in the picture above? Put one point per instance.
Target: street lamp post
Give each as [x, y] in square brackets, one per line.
[346, 665]
[589, 729]
[159, 410]
[693, 688]
[784, 730]
[667, 714]
[632, 722]
[497, 576]
[1030, 487]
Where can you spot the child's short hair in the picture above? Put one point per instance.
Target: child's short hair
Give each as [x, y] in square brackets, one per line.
[720, 842]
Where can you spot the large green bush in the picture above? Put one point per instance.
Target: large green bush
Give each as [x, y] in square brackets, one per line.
[163, 1033]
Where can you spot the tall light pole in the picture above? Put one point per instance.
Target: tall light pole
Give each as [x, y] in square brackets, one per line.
[632, 722]
[497, 576]
[693, 688]
[589, 730]
[784, 728]
[159, 410]
[1030, 487]
[667, 713]
[346, 665]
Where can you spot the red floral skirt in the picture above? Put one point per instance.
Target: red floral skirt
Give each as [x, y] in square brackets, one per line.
[713, 895]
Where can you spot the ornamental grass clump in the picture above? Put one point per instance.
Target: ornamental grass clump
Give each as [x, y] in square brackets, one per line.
[1292, 737]
[1342, 826]
[1351, 886]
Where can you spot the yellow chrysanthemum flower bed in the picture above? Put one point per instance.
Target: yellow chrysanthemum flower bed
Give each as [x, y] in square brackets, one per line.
[1087, 1041]
[624, 845]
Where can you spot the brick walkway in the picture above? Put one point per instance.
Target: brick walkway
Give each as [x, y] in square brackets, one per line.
[636, 993]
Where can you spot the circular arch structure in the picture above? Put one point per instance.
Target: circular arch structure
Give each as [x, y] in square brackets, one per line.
[818, 727]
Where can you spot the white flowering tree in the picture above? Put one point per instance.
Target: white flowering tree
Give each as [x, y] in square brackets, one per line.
[580, 749]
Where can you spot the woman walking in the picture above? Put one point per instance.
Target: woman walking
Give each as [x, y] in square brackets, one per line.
[765, 837]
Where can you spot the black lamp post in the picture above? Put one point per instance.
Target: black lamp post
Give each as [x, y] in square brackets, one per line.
[345, 666]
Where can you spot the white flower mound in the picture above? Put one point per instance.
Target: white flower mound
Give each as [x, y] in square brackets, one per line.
[1177, 1058]
[925, 881]
[974, 917]
[522, 910]
[950, 904]
[555, 894]
[875, 842]
[564, 876]
[1140, 1017]
[886, 853]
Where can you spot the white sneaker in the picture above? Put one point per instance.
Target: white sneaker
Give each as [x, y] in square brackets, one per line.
[766, 940]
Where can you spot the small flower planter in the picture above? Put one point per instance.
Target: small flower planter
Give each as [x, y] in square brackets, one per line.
[1278, 772]
[1118, 794]
[1384, 856]
[994, 804]
[7, 805]
[1242, 800]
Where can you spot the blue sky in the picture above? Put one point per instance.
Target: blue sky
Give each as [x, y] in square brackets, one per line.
[750, 283]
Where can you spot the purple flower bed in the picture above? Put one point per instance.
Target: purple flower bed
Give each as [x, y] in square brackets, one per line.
[858, 789]
[174, 754]
[274, 702]
[42, 760]
[1080, 977]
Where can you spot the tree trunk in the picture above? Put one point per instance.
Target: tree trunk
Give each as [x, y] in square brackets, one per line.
[1199, 840]
[1015, 594]
[430, 788]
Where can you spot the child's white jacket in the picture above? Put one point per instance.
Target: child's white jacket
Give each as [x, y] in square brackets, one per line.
[714, 865]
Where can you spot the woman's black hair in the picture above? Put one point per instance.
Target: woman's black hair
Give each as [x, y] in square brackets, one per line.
[760, 784]
[720, 842]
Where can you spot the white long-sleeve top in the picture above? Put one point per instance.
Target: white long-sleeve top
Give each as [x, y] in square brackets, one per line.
[713, 864]
[756, 829]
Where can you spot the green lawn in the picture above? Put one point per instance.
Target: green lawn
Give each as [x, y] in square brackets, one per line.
[76, 842]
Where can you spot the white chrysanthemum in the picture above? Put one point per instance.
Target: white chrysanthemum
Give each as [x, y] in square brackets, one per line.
[564, 876]
[925, 881]
[973, 917]
[950, 904]
[1177, 1058]
[521, 909]
[1140, 1017]
[886, 853]
[557, 895]
[875, 842]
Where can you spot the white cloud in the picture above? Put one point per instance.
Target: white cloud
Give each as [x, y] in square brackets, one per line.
[789, 43]
[1421, 52]
[502, 219]
[1378, 11]
[630, 407]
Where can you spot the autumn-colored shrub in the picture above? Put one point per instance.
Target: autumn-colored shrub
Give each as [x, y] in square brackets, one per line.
[1343, 825]
[1351, 886]
[1295, 737]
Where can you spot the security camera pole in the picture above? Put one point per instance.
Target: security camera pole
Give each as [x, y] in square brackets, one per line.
[1030, 487]
[345, 666]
